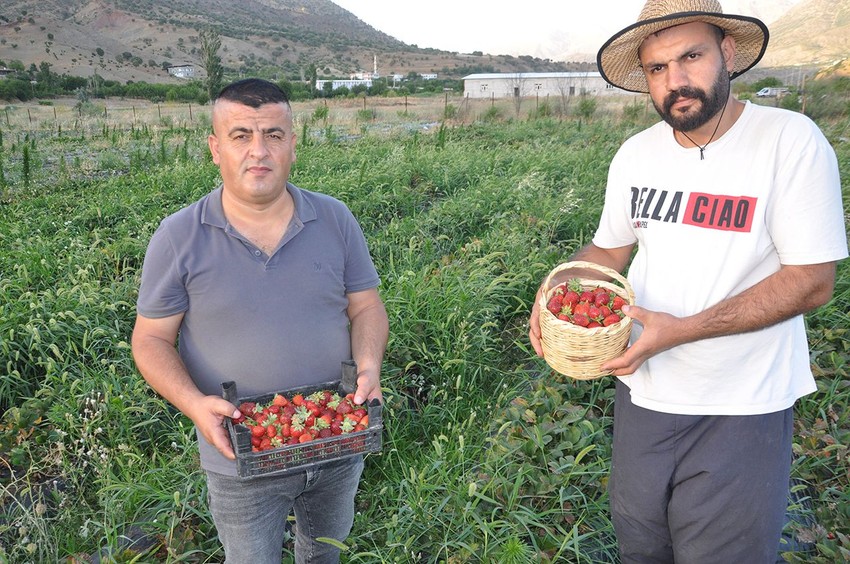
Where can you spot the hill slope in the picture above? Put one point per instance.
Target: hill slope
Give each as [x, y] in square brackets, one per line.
[135, 39]
[812, 32]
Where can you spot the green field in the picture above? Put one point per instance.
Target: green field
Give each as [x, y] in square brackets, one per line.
[487, 457]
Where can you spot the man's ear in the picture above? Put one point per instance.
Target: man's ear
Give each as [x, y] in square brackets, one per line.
[729, 48]
[212, 141]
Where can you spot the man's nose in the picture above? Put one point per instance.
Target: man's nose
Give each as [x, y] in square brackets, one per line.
[258, 148]
[676, 77]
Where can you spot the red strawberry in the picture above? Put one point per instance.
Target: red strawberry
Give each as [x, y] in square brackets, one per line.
[555, 304]
[593, 312]
[313, 407]
[611, 320]
[581, 308]
[601, 298]
[617, 303]
[593, 324]
[344, 407]
[581, 319]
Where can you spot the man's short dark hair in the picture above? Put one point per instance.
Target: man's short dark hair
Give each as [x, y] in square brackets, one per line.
[253, 92]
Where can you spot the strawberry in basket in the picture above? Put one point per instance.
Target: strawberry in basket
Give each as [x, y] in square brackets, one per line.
[594, 307]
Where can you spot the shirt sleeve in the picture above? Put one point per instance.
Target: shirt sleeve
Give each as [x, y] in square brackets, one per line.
[805, 217]
[615, 229]
[360, 271]
[162, 291]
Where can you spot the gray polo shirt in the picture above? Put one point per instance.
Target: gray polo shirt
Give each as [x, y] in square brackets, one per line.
[269, 323]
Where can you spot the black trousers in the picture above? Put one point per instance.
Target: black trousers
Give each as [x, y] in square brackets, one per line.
[698, 489]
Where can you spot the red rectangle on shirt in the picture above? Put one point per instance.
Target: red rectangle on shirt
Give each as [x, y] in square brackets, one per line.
[716, 211]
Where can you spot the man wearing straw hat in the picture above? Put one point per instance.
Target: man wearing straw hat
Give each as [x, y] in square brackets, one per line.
[736, 213]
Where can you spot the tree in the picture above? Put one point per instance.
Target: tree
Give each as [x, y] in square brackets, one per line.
[210, 44]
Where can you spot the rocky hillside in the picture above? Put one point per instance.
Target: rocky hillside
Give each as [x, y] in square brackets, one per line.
[136, 39]
[812, 32]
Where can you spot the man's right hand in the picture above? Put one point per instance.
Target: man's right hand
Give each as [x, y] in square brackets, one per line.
[208, 416]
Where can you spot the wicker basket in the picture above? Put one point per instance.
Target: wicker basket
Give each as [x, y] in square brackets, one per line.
[578, 352]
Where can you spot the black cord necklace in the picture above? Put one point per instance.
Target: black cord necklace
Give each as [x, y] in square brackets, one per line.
[716, 127]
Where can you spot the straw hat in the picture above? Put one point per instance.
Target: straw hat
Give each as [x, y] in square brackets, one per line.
[618, 58]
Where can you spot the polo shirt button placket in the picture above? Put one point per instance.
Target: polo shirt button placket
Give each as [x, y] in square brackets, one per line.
[257, 252]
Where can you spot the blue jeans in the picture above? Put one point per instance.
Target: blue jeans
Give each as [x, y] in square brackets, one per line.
[250, 515]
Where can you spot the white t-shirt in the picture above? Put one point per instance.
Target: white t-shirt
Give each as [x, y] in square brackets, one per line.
[768, 193]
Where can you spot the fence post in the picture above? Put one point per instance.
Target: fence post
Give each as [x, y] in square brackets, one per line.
[190, 112]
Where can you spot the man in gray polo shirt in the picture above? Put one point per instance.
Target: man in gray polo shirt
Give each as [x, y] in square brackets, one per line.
[272, 287]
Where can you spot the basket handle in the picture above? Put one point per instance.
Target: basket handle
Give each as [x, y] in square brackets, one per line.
[589, 266]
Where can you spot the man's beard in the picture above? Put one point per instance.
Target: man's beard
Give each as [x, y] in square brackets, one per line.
[710, 104]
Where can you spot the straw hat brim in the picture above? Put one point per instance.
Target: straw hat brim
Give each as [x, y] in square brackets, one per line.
[618, 59]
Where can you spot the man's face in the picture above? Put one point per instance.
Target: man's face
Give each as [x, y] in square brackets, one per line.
[687, 69]
[254, 149]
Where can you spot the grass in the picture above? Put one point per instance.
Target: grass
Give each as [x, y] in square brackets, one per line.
[487, 456]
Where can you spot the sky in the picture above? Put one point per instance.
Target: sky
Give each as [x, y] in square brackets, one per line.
[534, 27]
[553, 29]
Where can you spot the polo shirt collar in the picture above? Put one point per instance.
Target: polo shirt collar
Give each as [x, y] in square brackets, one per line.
[212, 211]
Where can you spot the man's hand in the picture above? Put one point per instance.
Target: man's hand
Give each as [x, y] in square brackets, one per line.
[661, 331]
[534, 325]
[368, 387]
[208, 415]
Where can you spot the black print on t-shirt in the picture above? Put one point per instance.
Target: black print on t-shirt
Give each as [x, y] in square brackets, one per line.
[709, 211]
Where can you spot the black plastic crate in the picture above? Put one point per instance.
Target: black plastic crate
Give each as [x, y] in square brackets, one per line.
[291, 458]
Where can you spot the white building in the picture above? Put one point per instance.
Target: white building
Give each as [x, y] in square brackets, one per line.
[348, 83]
[529, 84]
[182, 71]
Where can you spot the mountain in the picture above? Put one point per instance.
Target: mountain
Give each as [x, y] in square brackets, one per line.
[814, 32]
[137, 39]
[582, 40]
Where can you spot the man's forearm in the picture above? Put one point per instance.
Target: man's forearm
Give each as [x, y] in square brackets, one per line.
[791, 291]
[369, 335]
[161, 367]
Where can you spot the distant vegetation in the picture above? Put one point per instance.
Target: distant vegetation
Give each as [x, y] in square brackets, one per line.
[41, 83]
